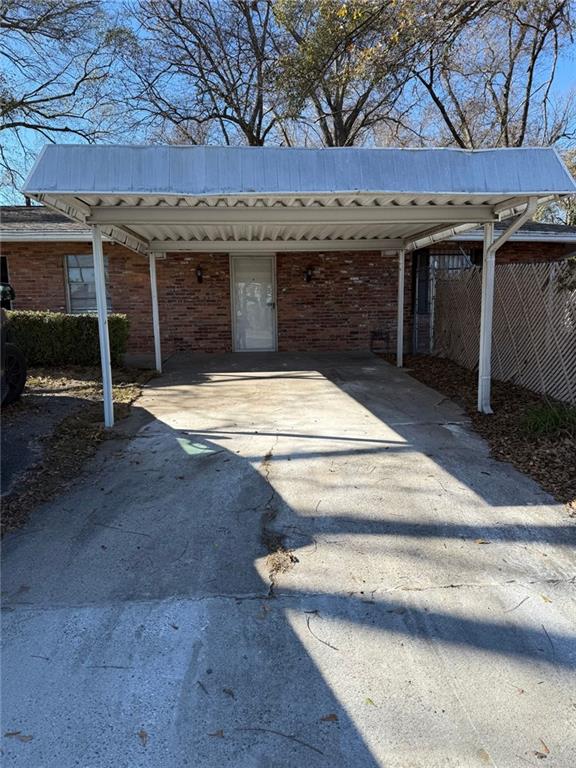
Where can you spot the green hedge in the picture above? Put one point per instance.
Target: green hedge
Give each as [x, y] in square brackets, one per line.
[53, 338]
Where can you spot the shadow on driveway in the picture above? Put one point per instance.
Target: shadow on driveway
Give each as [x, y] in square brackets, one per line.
[278, 571]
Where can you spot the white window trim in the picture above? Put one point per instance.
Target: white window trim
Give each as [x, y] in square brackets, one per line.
[67, 284]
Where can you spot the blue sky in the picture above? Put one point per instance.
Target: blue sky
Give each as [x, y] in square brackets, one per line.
[564, 83]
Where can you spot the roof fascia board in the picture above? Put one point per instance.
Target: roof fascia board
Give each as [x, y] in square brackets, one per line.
[52, 236]
[46, 236]
[523, 238]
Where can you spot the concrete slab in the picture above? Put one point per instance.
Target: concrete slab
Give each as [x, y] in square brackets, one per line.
[289, 560]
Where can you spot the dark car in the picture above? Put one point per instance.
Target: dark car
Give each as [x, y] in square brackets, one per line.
[13, 373]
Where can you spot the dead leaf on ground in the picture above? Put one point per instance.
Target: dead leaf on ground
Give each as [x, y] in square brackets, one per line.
[545, 750]
[548, 458]
[143, 736]
[331, 718]
[481, 541]
[218, 734]
[19, 735]
[370, 702]
[546, 599]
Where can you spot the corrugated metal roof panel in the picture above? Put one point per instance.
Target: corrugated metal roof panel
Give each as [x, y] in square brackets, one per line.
[206, 171]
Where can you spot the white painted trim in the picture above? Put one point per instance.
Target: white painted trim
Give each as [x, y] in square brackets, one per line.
[523, 238]
[266, 247]
[78, 212]
[400, 309]
[174, 246]
[101, 303]
[48, 237]
[517, 223]
[155, 313]
[130, 216]
[231, 270]
[437, 235]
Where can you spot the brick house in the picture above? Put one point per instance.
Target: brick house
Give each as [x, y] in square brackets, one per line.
[267, 248]
[326, 301]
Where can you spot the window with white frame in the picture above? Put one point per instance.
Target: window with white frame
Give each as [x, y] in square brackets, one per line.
[81, 283]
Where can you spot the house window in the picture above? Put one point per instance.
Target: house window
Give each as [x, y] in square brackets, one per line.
[81, 284]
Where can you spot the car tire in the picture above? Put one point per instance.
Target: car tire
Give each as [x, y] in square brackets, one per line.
[14, 373]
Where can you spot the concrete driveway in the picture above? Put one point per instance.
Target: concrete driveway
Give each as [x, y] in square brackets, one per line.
[288, 561]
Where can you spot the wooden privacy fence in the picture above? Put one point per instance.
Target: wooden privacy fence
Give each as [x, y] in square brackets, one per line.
[534, 333]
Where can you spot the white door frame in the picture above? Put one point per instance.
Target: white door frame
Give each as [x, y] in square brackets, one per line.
[252, 255]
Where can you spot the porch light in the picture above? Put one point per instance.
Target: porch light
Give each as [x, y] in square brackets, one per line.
[199, 274]
[309, 274]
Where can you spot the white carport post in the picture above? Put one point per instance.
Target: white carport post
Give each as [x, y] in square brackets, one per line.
[486, 313]
[400, 320]
[102, 307]
[155, 313]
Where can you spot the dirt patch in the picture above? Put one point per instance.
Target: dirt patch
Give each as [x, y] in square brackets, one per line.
[535, 434]
[60, 414]
[280, 559]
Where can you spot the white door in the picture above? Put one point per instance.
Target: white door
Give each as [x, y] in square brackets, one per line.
[253, 303]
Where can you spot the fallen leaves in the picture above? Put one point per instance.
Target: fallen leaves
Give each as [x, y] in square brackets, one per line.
[548, 458]
[542, 753]
[19, 735]
[73, 440]
[331, 718]
[143, 736]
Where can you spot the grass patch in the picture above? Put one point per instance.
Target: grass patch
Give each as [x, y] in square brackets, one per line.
[550, 420]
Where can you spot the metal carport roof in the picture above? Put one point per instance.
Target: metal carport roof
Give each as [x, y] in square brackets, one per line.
[158, 199]
[216, 198]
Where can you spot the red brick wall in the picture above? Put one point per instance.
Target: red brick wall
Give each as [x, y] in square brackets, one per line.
[36, 272]
[194, 317]
[513, 252]
[350, 297]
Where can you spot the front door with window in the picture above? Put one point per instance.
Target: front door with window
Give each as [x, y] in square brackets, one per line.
[253, 303]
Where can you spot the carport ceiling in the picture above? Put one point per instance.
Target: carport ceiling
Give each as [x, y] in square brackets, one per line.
[156, 199]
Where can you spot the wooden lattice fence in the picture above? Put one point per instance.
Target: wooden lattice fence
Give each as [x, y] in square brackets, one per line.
[534, 333]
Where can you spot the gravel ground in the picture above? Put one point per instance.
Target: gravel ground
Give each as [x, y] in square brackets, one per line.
[50, 432]
[549, 458]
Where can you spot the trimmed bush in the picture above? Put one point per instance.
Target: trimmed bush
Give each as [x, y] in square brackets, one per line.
[53, 338]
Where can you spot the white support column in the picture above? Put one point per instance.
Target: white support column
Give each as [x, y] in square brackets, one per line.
[485, 357]
[400, 303]
[102, 306]
[155, 314]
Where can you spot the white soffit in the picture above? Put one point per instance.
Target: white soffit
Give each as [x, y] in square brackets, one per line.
[206, 198]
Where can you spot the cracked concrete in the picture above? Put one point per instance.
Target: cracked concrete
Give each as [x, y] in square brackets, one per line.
[426, 620]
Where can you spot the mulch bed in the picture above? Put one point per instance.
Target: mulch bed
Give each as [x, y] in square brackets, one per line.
[549, 458]
[73, 440]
